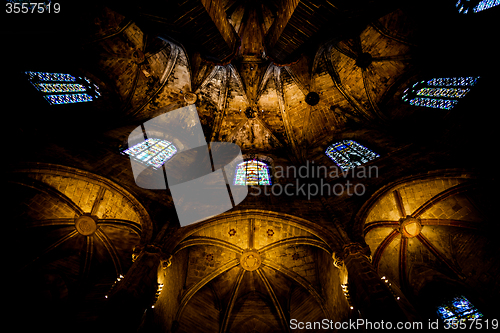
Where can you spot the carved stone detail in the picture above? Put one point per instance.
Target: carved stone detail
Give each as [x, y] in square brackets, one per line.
[410, 227]
[250, 260]
[190, 98]
[86, 225]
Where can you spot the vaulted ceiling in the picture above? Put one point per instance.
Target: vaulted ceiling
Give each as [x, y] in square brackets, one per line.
[281, 79]
[427, 218]
[75, 233]
[255, 271]
[431, 228]
[249, 78]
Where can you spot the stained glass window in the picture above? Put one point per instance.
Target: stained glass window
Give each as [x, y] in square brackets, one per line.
[471, 6]
[458, 308]
[441, 93]
[152, 152]
[349, 154]
[60, 88]
[252, 172]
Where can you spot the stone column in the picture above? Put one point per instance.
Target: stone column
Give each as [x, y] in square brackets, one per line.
[135, 292]
[368, 292]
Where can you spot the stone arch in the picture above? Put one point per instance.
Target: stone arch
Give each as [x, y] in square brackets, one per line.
[413, 227]
[259, 250]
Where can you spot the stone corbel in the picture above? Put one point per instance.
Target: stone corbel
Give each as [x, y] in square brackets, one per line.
[166, 260]
[136, 252]
[343, 275]
[356, 249]
[337, 260]
[339, 263]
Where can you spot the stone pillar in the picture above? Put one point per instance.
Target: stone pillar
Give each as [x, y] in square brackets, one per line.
[135, 292]
[368, 292]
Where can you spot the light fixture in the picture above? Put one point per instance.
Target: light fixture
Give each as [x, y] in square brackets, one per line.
[157, 295]
[345, 290]
[390, 289]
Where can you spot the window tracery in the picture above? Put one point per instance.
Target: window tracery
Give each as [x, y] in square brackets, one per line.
[152, 152]
[458, 308]
[349, 154]
[468, 6]
[61, 88]
[252, 172]
[441, 93]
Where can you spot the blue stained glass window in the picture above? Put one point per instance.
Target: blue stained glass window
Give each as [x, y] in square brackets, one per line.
[152, 152]
[42, 76]
[486, 4]
[443, 92]
[433, 103]
[252, 172]
[468, 6]
[68, 98]
[60, 88]
[458, 308]
[466, 81]
[440, 93]
[349, 154]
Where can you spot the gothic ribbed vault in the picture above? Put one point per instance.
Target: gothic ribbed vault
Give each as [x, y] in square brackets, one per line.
[249, 261]
[89, 249]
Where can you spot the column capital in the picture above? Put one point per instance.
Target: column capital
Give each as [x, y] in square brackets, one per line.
[164, 257]
[370, 295]
[337, 260]
[354, 248]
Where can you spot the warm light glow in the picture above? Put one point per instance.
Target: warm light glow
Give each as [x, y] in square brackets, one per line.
[412, 229]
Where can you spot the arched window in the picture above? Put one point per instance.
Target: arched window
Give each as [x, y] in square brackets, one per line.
[349, 154]
[475, 6]
[458, 308]
[252, 172]
[59, 88]
[442, 93]
[152, 152]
